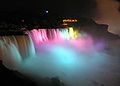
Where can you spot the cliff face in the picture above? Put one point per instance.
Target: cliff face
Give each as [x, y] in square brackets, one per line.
[96, 30]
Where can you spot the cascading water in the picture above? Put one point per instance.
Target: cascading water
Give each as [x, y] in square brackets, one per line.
[60, 52]
[14, 49]
[26, 46]
[10, 55]
[40, 36]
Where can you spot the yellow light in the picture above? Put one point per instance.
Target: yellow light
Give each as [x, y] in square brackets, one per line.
[71, 32]
[75, 20]
[76, 33]
[69, 20]
[65, 24]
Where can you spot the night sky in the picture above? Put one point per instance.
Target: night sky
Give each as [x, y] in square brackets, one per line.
[102, 10]
[61, 7]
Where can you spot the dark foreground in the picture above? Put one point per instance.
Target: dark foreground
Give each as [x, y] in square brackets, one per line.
[12, 78]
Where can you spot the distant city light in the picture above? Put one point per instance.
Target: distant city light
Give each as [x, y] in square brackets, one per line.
[65, 24]
[70, 20]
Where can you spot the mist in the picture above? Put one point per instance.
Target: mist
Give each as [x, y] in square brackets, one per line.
[108, 13]
[77, 62]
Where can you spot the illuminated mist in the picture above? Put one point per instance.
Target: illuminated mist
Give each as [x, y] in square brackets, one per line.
[77, 61]
[108, 13]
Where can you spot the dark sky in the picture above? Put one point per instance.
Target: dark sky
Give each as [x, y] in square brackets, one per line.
[62, 7]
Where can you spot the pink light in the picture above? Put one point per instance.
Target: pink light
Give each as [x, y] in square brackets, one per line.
[49, 35]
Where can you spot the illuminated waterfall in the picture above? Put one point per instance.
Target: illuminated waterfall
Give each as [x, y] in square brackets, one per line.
[63, 52]
[14, 49]
[44, 35]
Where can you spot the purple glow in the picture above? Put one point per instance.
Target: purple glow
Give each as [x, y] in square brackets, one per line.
[46, 35]
[82, 42]
[45, 50]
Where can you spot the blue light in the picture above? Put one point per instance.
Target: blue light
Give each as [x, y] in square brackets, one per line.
[64, 56]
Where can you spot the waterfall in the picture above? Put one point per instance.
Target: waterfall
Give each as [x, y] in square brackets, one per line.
[40, 36]
[16, 48]
[64, 53]
[10, 55]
